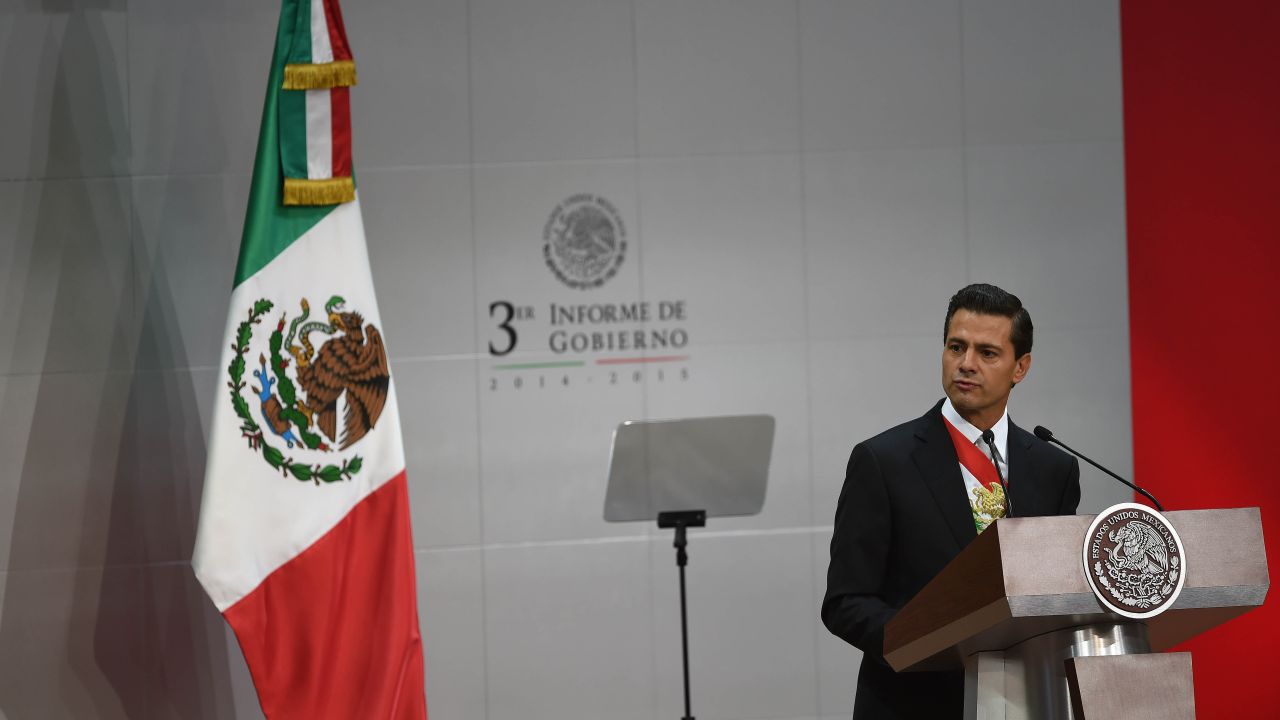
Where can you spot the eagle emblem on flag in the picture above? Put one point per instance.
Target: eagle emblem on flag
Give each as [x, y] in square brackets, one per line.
[298, 389]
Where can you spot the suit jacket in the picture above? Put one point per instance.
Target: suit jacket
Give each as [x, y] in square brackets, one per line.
[903, 514]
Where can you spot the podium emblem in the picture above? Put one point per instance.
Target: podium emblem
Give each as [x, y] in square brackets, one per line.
[1134, 560]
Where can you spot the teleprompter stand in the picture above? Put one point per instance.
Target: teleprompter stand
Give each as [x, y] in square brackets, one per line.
[680, 520]
[679, 472]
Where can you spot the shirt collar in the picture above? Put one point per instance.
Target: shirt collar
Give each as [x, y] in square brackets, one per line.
[1000, 429]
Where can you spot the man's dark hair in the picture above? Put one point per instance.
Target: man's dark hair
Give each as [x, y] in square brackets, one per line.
[985, 299]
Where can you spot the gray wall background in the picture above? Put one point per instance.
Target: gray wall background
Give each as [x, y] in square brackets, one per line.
[814, 177]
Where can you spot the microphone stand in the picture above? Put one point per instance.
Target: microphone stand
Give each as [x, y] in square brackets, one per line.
[1045, 434]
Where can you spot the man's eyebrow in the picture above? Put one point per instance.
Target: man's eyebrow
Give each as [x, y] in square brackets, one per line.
[980, 346]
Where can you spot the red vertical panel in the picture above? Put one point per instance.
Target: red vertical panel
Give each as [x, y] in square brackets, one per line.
[1202, 154]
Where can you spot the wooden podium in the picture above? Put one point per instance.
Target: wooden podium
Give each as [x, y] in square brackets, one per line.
[1015, 610]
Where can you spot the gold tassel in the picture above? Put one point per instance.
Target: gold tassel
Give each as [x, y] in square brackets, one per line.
[332, 191]
[340, 73]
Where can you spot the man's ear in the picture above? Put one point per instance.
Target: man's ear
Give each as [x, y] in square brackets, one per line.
[1021, 367]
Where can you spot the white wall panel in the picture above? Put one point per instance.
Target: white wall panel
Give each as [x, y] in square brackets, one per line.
[186, 239]
[552, 80]
[70, 472]
[751, 644]
[717, 76]
[1047, 223]
[881, 73]
[441, 449]
[885, 240]
[18, 265]
[569, 631]
[197, 78]
[244, 698]
[1041, 71]
[417, 225]
[725, 233]
[859, 388]
[838, 661]
[71, 644]
[64, 77]
[17, 404]
[412, 105]
[451, 611]
[159, 478]
[67, 297]
[184, 649]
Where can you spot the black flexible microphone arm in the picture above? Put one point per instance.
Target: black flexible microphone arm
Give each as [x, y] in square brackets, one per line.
[1046, 435]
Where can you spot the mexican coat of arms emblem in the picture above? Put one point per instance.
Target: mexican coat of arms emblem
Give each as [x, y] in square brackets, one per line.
[289, 410]
[1134, 560]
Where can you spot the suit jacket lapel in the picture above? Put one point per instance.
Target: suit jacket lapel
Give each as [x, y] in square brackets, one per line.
[1022, 485]
[935, 457]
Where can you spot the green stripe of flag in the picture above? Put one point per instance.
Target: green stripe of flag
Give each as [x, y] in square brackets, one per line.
[300, 50]
[293, 133]
[293, 104]
[269, 226]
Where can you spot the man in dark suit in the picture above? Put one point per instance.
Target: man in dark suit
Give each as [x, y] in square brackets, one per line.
[915, 495]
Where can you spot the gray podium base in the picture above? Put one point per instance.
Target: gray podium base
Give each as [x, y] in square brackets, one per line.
[1028, 681]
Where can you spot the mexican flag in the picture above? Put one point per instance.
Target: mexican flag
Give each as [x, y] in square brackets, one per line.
[304, 542]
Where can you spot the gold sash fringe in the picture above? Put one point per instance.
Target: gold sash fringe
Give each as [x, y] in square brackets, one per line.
[340, 73]
[332, 191]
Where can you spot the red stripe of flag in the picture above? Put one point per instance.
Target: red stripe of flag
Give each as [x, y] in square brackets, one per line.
[333, 633]
[337, 31]
[340, 123]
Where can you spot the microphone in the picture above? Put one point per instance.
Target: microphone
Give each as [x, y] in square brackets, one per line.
[990, 438]
[1046, 435]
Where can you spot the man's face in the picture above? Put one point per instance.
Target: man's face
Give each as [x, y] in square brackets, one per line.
[978, 366]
